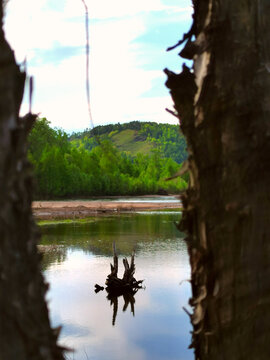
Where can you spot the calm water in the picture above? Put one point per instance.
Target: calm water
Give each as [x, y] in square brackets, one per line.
[135, 199]
[78, 256]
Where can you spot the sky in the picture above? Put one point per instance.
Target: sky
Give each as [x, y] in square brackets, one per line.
[128, 41]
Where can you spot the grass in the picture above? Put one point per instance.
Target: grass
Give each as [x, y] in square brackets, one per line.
[126, 136]
[95, 218]
[125, 141]
[66, 221]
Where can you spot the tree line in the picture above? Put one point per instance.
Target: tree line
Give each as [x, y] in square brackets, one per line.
[64, 170]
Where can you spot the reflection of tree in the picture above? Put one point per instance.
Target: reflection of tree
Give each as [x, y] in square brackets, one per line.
[96, 236]
[129, 298]
[52, 254]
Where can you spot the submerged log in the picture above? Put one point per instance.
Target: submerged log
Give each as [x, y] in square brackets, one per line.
[128, 284]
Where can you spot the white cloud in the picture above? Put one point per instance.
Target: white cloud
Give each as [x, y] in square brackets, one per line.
[106, 9]
[117, 78]
[30, 25]
[116, 94]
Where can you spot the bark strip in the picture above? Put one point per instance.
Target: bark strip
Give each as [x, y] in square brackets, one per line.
[224, 108]
[25, 331]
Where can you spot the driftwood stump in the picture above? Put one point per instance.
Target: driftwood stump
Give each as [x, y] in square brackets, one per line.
[128, 284]
[126, 287]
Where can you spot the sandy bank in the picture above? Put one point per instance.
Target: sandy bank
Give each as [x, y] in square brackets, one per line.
[46, 210]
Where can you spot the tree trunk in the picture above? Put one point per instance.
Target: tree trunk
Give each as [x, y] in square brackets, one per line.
[224, 107]
[25, 331]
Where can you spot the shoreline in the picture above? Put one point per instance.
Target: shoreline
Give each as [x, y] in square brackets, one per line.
[77, 209]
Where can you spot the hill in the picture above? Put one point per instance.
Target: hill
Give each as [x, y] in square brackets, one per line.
[136, 137]
[85, 165]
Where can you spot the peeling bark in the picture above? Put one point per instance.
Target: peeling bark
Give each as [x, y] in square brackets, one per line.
[25, 331]
[224, 107]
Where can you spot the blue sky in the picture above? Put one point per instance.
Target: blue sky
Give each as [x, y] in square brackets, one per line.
[128, 41]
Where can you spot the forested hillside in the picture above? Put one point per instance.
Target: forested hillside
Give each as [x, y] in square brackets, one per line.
[69, 167]
[137, 137]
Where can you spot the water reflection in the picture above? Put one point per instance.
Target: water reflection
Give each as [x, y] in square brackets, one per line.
[129, 299]
[128, 231]
[52, 254]
[132, 199]
[160, 329]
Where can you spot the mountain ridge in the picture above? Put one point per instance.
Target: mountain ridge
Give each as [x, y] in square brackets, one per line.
[135, 137]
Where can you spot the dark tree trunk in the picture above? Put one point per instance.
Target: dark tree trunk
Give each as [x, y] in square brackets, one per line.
[224, 107]
[25, 331]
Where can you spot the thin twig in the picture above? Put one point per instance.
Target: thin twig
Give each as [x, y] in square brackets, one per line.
[182, 281]
[87, 48]
[86, 354]
[186, 311]
[184, 168]
[172, 112]
[31, 88]
[186, 36]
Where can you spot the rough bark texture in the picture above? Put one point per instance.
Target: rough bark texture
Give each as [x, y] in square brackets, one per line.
[25, 331]
[224, 107]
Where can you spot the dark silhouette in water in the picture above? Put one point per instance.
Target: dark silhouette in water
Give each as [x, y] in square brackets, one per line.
[129, 298]
[98, 288]
[128, 284]
[126, 287]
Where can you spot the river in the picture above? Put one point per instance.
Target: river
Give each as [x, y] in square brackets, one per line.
[153, 325]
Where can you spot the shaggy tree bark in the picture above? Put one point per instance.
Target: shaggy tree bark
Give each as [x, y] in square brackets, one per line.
[224, 107]
[25, 331]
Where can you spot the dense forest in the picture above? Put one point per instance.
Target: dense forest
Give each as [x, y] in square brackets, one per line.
[136, 136]
[87, 165]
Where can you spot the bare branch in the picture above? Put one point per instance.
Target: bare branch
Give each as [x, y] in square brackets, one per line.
[186, 36]
[172, 112]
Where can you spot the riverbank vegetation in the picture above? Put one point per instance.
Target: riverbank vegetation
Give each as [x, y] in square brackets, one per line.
[85, 165]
